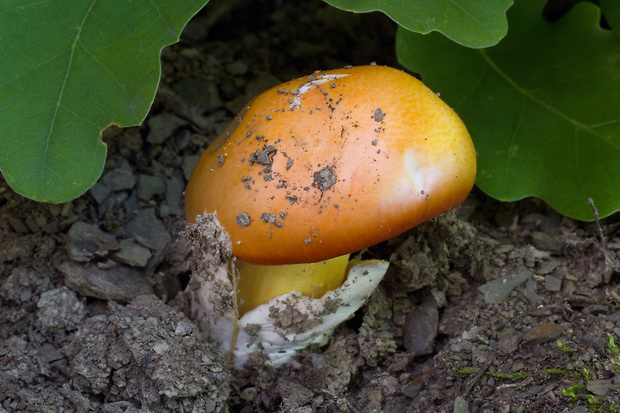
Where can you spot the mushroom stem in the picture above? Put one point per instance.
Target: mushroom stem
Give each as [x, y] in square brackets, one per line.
[259, 284]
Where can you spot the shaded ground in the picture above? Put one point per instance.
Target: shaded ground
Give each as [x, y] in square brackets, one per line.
[468, 316]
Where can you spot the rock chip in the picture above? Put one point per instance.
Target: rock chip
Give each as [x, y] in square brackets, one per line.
[59, 309]
[151, 233]
[202, 94]
[553, 283]
[118, 283]
[87, 241]
[599, 387]
[173, 192]
[132, 254]
[99, 192]
[118, 179]
[543, 333]
[509, 343]
[497, 290]
[149, 186]
[162, 126]
[421, 328]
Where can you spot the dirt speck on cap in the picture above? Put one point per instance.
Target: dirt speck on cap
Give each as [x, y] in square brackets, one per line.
[243, 219]
[324, 178]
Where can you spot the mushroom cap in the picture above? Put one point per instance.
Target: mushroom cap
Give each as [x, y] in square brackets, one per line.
[332, 163]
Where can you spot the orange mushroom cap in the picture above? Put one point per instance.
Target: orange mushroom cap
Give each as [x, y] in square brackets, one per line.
[332, 163]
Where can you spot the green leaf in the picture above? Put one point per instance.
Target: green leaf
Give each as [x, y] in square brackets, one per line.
[543, 106]
[70, 68]
[611, 11]
[472, 23]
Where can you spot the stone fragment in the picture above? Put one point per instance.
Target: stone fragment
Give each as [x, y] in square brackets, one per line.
[118, 179]
[553, 283]
[18, 225]
[189, 162]
[22, 284]
[150, 229]
[118, 283]
[201, 94]
[173, 192]
[530, 292]
[238, 67]
[599, 387]
[509, 343]
[413, 388]
[421, 328]
[149, 232]
[149, 186]
[99, 192]
[546, 242]
[59, 309]
[132, 254]
[460, 405]
[579, 409]
[86, 241]
[49, 353]
[497, 290]
[543, 333]
[162, 126]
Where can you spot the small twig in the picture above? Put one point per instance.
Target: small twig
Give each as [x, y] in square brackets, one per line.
[603, 242]
[473, 382]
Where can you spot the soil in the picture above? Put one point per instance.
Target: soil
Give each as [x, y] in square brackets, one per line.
[494, 307]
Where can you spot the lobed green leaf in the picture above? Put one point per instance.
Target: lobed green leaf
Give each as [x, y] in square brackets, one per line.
[472, 23]
[611, 12]
[70, 69]
[543, 106]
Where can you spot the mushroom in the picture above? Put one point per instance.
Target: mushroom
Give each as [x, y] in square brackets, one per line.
[311, 171]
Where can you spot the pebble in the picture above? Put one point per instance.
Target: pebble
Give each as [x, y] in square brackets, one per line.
[149, 186]
[119, 283]
[99, 192]
[497, 290]
[509, 343]
[530, 292]
[238, 67]
[547, 267]
[537, 390]
[49, 353]
[553, 283]
[249, 394]
[182, 139]
[112, 203]
[18, 225]
[466, 345]
[59, 309]
[460, 405]
[162, 126]
[173, 192]
[118, 179]
[151, 232]
[546, 242]
[201, 94]
[543, 333]
[413, 388]
[421, 328]
[599, 387]
[188, 165]
[86, 241]
[149, 229]
[132, 254]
